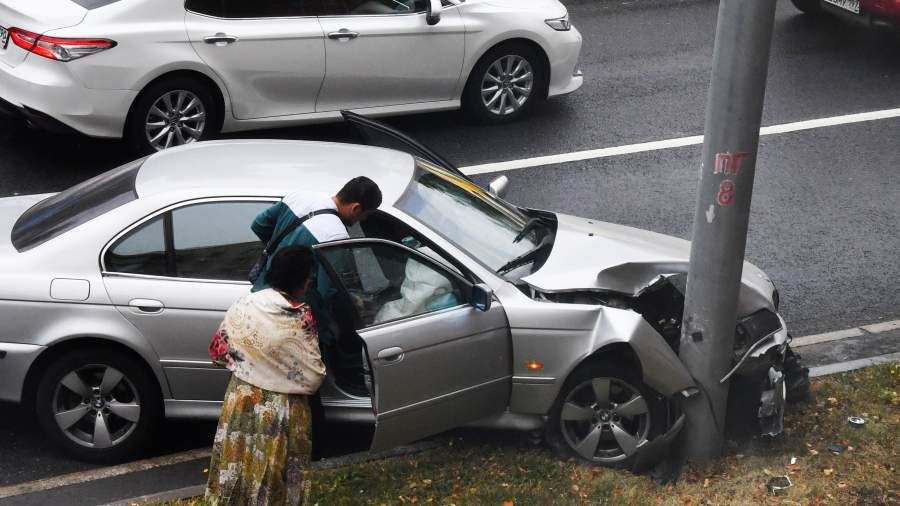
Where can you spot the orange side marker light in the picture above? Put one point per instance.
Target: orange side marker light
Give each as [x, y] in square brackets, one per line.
[534, 365]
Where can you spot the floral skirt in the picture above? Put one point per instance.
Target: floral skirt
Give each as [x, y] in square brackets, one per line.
[261, 449]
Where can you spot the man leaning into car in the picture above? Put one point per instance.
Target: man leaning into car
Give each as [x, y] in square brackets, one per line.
[329, 221]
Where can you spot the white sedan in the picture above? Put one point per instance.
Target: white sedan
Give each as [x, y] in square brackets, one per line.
[162, 73]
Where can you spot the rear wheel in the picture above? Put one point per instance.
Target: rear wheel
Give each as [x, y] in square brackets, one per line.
[172, 112]
[603, 415]
[505, 84]
[808, 6]
[99, 405]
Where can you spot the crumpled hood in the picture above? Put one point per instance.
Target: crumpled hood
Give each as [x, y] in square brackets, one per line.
[595, 255]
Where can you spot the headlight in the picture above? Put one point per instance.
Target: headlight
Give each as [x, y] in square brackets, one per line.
[560, 24]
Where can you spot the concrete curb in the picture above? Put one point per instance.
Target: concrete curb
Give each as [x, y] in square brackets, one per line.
[333, 463]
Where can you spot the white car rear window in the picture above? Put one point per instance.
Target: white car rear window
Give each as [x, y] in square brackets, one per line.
[75, 206]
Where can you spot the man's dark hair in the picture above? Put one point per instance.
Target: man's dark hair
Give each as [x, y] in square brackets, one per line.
[290, 268]
[363, 191]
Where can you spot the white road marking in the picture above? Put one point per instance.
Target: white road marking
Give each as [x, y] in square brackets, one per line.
[875, 328]
[799, 342]
[105, 472]
[673, 143]
[852, 365]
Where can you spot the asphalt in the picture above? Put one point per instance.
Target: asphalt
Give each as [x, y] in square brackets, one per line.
[826, 209]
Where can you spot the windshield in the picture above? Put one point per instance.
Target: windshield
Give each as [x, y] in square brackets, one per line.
[79, 204]
[466, 215]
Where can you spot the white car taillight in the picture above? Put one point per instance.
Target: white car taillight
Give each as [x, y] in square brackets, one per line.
[56, 48]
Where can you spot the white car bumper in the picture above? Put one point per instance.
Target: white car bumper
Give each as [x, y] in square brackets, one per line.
[46, 93]
[565, 76]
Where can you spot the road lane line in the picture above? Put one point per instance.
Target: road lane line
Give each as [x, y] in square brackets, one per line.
[678, 142]
[852, 365]
[105, 472]
[876, 328]
[799, 342]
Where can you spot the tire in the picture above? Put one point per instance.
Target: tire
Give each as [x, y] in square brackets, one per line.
[493, 66]
[811, 7]
[572, 437]
[129, 406]
[199, 118]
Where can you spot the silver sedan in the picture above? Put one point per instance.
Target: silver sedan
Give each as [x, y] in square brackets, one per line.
[455, 306]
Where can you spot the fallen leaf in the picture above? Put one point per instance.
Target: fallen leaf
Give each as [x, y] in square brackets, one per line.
[842, 485]
[706, 483]
[508, 503]
[833, 400]
[828, 472]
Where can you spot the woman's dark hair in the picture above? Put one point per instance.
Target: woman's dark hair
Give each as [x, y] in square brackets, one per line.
[363, 191]
[290, 268]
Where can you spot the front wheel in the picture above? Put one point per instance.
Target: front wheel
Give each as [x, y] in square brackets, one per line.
[99, 405]
[505, 84]
[604, 414]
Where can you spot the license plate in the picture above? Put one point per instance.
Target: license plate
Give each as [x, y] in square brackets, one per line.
[4, 37]
[847, 5]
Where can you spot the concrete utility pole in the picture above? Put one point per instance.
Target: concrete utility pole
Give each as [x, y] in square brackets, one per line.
[733, 116]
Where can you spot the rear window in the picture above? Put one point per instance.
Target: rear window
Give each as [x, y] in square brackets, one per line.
[75, 206]
[93, 4]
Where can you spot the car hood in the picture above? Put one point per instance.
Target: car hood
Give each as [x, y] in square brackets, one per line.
[595, 255]
[553, 6]
[10, 210]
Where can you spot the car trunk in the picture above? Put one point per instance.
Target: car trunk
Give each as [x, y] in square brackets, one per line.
[38, 16]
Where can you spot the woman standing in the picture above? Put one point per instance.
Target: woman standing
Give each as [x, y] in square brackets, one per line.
[269, 341]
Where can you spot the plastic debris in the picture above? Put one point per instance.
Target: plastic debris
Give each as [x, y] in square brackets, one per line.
[835, 448]
[856, 421]
[778, 484]
[793, 460]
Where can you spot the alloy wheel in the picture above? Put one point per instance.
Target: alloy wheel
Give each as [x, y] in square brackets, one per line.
[507, 85]
[605, 420]
[178, 117]
[96, 406]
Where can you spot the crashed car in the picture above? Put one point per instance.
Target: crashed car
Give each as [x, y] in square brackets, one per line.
[455, 307]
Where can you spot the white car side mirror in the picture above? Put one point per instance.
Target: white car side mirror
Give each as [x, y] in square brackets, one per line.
[499, 186]
[482, 295]
[434, 12]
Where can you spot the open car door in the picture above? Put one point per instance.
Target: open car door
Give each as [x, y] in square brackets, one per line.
[435, 360]
[375, 133]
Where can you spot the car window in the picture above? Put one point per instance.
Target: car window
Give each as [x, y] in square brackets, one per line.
[75, 206]
[244, 9]
[466, 215]
[368, 7]
[142, 251]
[388, 283]
[213, 240]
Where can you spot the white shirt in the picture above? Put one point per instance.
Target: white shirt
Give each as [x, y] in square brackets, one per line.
[324, 227]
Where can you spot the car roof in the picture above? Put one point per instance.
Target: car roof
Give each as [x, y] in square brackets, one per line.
[271, 168]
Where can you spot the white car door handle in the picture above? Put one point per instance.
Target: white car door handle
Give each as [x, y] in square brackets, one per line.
[220, 39]
[146, 306]
[391, 354]
[343, 33]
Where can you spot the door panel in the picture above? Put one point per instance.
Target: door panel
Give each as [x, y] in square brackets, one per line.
[272, 67]
[455, 369]
[395, 59]
[436, 362]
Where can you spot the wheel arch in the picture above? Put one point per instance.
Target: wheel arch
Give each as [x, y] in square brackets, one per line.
[60, 348]
[521, 39]
[212, 83]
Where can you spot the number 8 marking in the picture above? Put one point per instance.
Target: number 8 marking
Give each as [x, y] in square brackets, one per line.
[726, 193]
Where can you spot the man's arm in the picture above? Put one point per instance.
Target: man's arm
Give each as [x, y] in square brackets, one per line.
[264, 224]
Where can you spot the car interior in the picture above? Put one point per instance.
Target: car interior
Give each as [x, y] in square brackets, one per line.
[379, 287]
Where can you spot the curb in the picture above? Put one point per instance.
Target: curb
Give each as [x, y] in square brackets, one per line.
[333, 463]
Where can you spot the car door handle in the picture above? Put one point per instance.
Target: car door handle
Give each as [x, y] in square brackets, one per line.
[220, 39]
[146, 306]
[343, 33]
[391, 354]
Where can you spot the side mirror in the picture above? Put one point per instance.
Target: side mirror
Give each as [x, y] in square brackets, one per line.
[482, 296]
[434, 12]
[499, 186]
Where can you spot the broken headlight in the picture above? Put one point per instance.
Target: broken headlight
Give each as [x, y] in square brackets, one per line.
[751, 329]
